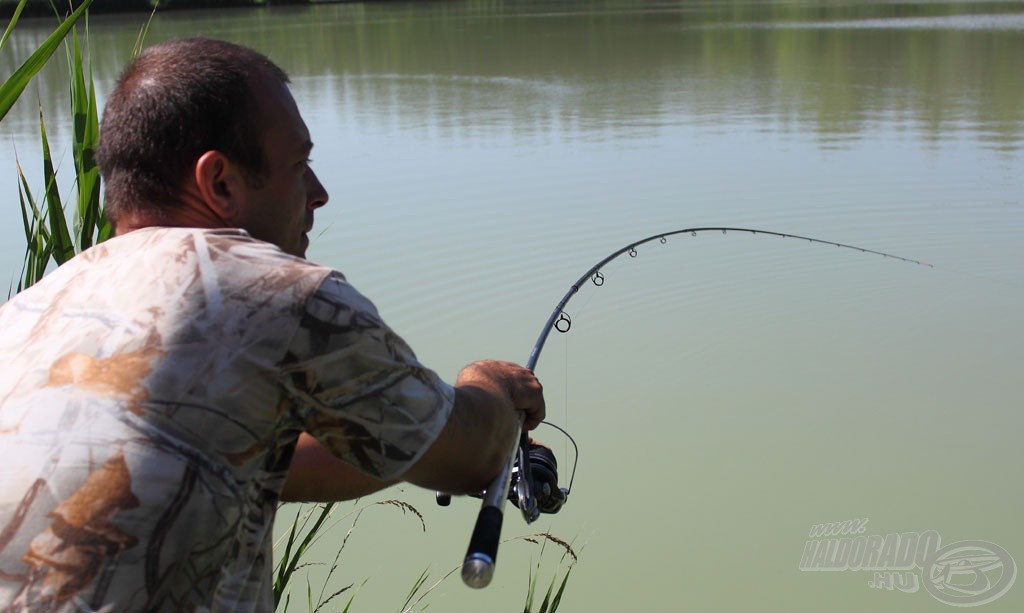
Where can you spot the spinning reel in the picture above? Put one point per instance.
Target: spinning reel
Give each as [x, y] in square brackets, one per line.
[530, 481]
[536, 495]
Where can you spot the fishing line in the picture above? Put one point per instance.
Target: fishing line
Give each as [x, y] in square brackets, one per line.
[478, 566]
[565, 397]
[561, 321]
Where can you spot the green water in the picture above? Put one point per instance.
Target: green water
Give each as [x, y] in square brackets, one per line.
[727, 392]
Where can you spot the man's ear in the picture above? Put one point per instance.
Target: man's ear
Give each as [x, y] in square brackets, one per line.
[220, 183]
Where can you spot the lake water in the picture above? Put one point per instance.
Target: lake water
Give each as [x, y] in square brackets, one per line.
[728, 392]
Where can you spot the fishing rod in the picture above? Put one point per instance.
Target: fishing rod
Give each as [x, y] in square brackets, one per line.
[527, 460]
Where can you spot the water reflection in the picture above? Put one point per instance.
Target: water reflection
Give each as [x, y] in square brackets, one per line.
[935, 68]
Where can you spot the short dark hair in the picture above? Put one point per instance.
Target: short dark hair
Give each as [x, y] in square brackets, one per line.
[176, 101]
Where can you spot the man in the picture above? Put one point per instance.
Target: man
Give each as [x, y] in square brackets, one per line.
[160, 393]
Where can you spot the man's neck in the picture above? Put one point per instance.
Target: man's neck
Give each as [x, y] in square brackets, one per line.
[189, 212]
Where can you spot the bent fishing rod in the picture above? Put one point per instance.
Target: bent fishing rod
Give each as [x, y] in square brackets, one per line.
[526, 460]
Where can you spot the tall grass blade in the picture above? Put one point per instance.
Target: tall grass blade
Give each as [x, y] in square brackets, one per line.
[89, 216]
[552, 598]
[531, 589]
[409, 608]
[416, 587]
[37, 239]
[348, 605]
[561, 589]
[12, 88]
[60, 239]
[282, 577]
[137, 47]
[13, 22]
[291, 558]
[323, 603]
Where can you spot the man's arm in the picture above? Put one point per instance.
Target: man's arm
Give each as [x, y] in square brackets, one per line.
[470, 450]
[315, 475]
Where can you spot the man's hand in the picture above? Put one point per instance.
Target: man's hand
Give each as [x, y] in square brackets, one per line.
[482, 429]
[520, 386]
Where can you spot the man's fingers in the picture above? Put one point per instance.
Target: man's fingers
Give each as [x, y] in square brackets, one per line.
[527, 395]
[520, 385]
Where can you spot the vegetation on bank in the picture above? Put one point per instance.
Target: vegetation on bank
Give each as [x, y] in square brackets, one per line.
[45, 7]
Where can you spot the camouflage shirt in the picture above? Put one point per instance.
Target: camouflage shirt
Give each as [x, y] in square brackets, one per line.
[151, 393]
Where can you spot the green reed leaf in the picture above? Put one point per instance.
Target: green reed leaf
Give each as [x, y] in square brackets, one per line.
[60, 238]
[37, 240]
[13, 22]
[89, 215]
[11, 89]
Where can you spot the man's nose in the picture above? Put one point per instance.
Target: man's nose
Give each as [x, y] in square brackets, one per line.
[316, 194]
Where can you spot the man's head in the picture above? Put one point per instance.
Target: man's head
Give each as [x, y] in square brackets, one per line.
[205, 132]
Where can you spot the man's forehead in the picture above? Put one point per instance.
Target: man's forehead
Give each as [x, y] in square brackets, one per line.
[277, 108]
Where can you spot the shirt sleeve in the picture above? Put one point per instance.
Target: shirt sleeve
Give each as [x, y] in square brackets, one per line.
[358, 388]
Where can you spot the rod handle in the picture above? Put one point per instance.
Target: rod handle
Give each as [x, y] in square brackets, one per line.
[478, 567]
